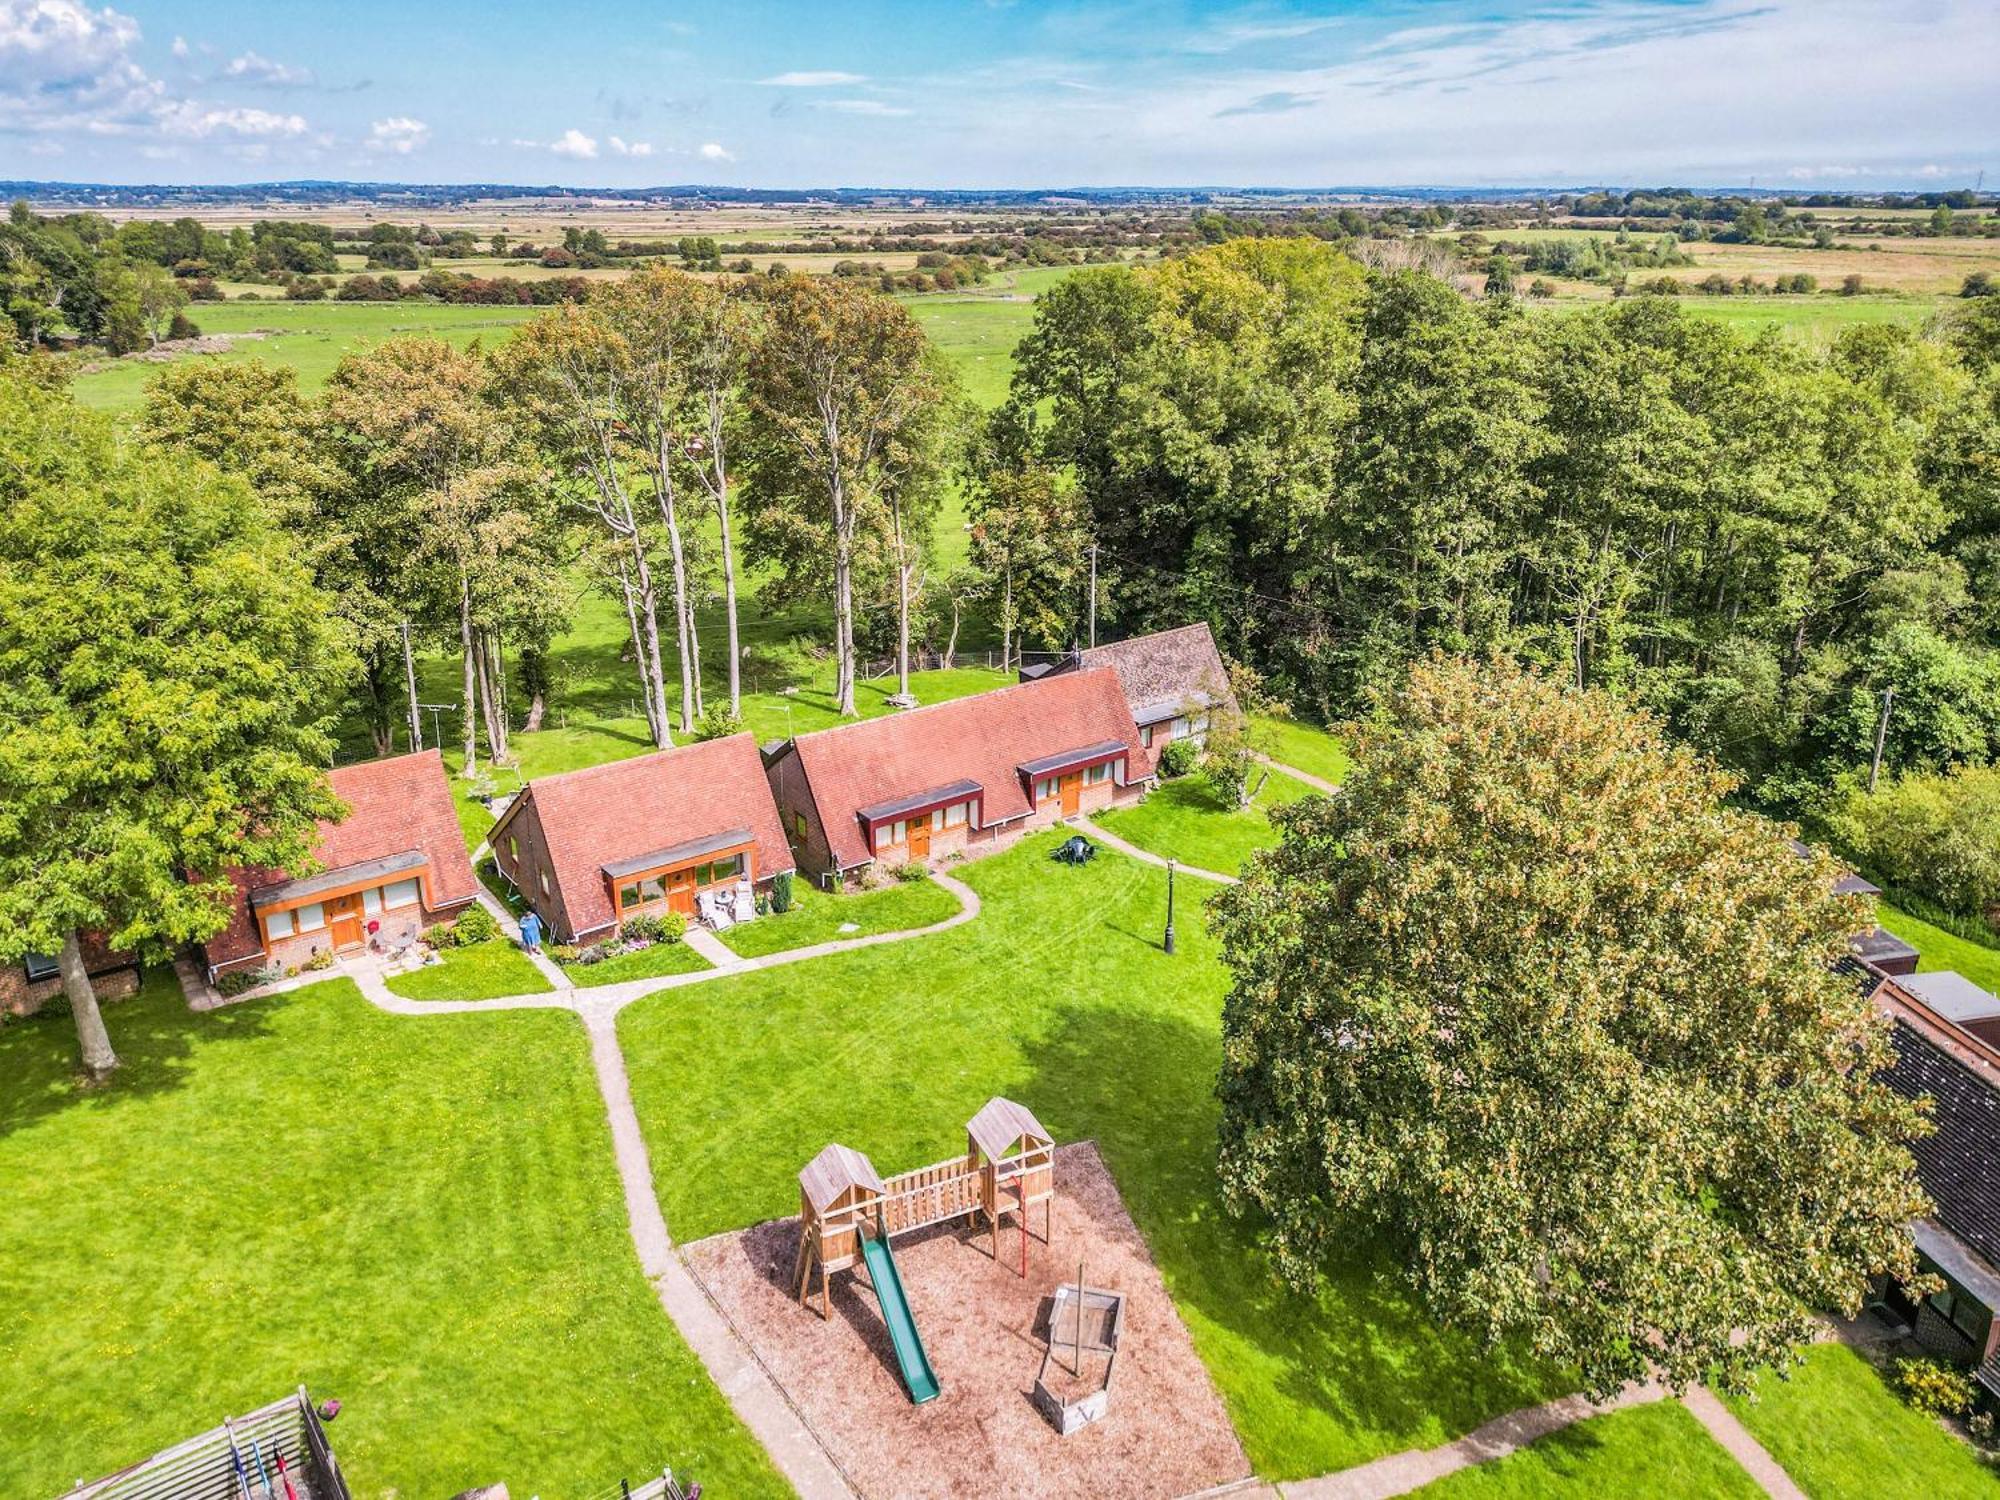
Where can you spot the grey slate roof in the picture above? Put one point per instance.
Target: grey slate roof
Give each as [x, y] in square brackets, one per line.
[1168, 666]
[1959, 1161]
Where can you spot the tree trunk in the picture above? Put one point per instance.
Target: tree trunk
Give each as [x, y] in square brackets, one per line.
[95, 1042]
[843, 601]
[410, 681]
[683, 603]
[951, 645]
[655, 725]
[471, 764]
[728, 576]
[902, 598]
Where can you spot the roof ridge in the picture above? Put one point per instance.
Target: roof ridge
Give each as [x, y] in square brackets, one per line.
[904, 716]
[624, 762]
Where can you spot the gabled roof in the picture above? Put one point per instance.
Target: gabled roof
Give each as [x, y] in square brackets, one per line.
[1165, 670]
[1002, 1122]
[834, 1171]
[651, 809]
[398, 809]
[984, 740]
[1959, 1162]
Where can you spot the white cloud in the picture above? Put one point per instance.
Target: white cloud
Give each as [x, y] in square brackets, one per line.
[203, 121]
[180, 47]
[811, 78]
[398, 135]
[574, 142]
[631, 148]
[253, 67]
[862, 107]
[710, 151]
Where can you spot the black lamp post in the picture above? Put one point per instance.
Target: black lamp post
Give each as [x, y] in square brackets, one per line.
[1170, 908]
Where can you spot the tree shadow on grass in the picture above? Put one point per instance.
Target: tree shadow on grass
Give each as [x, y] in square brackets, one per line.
[1356, 1370]
[154, 1034]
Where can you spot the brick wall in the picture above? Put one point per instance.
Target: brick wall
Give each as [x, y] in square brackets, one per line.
[790, 790]
[531, 867]
[20, 997]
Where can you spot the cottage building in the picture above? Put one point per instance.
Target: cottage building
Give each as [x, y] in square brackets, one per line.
[1174, 680]
[956, 777]
[588, 849]
[1959, 1069]
[393, 866]
[29, 984]
[1878, 948]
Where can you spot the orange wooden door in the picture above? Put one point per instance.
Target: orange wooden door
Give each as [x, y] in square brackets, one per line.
[920, 837]
[343, 920]
[680, 892]
[1072, 793]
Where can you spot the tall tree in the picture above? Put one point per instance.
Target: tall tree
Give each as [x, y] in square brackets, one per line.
[721, 330]
[419, 428]
[165, 665]
[841, 383]
[1532, 1005]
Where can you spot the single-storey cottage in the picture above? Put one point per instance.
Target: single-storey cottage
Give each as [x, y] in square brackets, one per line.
[1959, 1163]
[393, 866]
[588, 849]
[31, 982]
[1174, 680]
[954, 777]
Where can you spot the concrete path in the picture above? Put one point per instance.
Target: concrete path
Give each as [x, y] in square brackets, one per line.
[1400, 1473]
[1146, 856]
[551, 970]
[1317, 783]
[711, 947]
[1746, 1450]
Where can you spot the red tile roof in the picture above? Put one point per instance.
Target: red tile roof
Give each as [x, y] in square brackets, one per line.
[394, 805]
[595, 817]
[984, 738]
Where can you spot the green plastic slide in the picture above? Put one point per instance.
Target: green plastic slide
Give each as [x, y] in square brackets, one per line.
[910, 1356]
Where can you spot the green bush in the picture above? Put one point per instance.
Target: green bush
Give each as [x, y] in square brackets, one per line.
[236, 981]
[717, 723]
[654, 927]
[1938, 1389]
[781, 892]
[563, 953]
[1938, 835]
[475, 925]
[913, 870]
[1179, 758]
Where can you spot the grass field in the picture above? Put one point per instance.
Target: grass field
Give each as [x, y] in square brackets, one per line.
[419, 1216]
[479, 971]
[1302, 746]
[1842, 1435]
[655, 961]
[1059, 996]
[1184, 820]
[817, 916]
[1659, 1452]
[1943, 950]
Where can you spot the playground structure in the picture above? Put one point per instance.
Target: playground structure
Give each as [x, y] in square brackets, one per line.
[278, 1452]
[848, 1213]
[1082, 1320]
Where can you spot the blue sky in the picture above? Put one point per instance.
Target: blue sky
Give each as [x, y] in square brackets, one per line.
[986, 93]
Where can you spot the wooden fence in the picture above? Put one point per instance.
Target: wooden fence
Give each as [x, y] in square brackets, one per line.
[202, 1469]
[931, 1195]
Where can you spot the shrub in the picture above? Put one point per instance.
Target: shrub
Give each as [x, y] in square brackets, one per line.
[654, 927]
[440, 935]
[1938, 835]
[717, 723]
[781, 892]
[911, 871]
[321, 960]
[236, 981]
[1935, 1388]
[183, 327]
[563, 953]
[1179, 758]
[476, 924]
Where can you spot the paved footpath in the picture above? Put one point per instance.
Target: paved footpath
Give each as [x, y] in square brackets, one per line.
[1146, 856]
[1317, 783]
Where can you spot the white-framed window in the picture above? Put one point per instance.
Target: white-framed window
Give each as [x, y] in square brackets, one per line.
[513, 848]
[1146, 735]
[546, 890]
[310, 918]
[1047, 787]
[371, 901]
[885, 835]
[403, 892]
[279, 924]
[1097, 775]
[1179, 727]
[957, 813]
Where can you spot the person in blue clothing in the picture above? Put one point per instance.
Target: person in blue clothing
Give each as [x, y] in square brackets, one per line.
[531, 933]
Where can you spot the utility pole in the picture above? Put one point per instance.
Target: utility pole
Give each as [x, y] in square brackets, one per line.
[1170, 909]
[410, 678]
[1093, 594]
[1881, 734]
[434, 709]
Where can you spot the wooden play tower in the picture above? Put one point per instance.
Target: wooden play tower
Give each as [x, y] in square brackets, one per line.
[1008, 1167]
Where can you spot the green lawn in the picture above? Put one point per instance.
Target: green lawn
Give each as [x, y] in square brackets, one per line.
[1941, 949]
[480, 971]
[1184, 820]
[1305, 747]
[654, 962]
[419, 1216]
[310, 337]
[1658, 1452]
[817, 916]
[1843, 1435]
[1819, 317]
[1059, 996]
